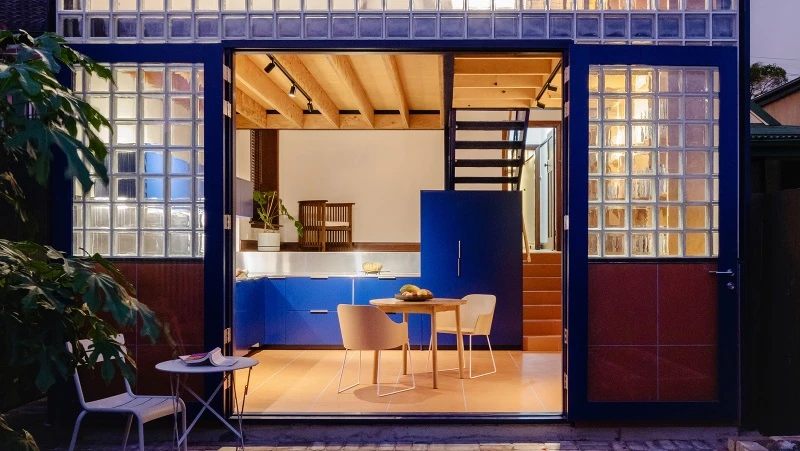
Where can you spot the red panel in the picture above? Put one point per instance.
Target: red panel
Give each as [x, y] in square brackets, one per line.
[687, 373]
[622, 304]
[687, 304]
[622, 373]
[175, 292]
[153, 382]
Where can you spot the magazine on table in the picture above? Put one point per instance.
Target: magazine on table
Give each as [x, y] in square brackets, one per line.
[213, 357]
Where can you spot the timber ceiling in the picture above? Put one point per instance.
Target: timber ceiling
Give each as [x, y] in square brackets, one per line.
[386, 91]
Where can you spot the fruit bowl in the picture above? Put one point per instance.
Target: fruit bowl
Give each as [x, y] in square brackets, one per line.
[413, 297]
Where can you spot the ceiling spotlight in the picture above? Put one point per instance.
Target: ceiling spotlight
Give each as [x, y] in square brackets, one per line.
[292, 91]
[269, 67]
[310, 107]
[539, 105]
[551, 88]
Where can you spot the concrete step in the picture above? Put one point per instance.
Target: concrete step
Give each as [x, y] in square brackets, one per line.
[544, 343]
[543, 270]
[541, 312]
[541, 298]
[541, 327]
[541, 284]
[543, 257]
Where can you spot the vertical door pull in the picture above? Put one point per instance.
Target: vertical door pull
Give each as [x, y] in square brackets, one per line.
[459, 258]
[728, 272]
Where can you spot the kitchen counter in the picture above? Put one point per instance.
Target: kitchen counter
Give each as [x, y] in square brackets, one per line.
[328, 264]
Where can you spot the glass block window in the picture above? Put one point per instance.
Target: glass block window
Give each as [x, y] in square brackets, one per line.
[153, 205]
[670, 22]
[653, 162]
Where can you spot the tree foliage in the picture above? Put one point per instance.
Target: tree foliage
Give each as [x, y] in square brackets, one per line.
[39, 116]
[765, 77]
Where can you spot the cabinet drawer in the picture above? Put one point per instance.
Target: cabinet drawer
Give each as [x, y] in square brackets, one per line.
[308, 328]
[304, 293]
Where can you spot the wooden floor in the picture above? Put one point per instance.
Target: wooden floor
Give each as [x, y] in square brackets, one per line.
[305, 381]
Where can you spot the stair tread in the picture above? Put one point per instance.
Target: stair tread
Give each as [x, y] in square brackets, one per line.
[490, 125]
[486, 179]
[488, 163]
[470, 144]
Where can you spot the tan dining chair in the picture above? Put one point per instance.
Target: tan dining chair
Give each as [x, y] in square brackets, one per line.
[144, 408]
[367, 328]
[476, 319]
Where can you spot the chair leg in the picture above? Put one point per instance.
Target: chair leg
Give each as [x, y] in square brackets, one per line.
[183, 425]
[428, 358]
[141, 432]
[127, 431]
[75, 430]
[399, 374]
[339, 388]
[491, 354]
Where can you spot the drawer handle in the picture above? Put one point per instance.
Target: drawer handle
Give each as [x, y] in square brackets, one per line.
[319, 312]
[387, 278]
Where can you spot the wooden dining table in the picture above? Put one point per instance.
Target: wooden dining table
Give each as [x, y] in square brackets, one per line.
[430, 307]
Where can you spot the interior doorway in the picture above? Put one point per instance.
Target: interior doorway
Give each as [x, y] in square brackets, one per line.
[368, 130]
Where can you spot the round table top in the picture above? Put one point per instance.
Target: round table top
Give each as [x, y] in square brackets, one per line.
[434, 301]
[177, 366]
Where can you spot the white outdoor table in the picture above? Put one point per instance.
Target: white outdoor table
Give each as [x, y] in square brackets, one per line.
[177, 367]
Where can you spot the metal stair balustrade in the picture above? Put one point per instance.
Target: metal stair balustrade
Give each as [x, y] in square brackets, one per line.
[512, 146]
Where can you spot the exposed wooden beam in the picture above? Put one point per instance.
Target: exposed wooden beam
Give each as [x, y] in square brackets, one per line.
[500, 81]
[493, 93]
[356, 122]
[250, 109]
[255, 82]
[342, 65]
[498, 67]
[394, 78]
[242, 123]
[442, 112]
[489, 103]
[322, 101]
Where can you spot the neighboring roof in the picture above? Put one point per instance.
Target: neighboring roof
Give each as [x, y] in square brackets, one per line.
[760, 132]
[763, 115]
[779, 92]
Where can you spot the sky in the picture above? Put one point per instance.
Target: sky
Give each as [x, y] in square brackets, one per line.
[775, 34]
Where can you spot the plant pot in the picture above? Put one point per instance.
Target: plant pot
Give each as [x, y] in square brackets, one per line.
[269, 241]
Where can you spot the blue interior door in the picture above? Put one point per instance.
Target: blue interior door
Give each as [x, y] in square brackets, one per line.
[652, 247]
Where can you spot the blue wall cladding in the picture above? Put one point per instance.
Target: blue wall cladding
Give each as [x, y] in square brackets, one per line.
[690, 22]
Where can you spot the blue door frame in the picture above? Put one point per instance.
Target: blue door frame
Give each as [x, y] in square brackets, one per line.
[218, 285]
[577, 261]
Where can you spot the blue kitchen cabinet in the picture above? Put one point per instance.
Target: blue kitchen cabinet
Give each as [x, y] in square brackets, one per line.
[471, 243]
[274, 311]
[311, 303]
[313, 328]
[369, 288]
[248, 315]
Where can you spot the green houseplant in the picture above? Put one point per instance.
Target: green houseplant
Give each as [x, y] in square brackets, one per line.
[46, 298]
[270, 209]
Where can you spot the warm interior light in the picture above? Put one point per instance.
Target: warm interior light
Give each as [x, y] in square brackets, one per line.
[292, 91]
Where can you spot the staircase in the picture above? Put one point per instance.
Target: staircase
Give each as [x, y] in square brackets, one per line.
[541, 302]
[486, 146]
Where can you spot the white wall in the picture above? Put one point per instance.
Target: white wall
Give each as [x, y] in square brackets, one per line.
[243, 154]
[382, 171]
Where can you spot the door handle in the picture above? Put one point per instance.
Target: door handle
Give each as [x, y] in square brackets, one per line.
[728, 272]
[459, 259]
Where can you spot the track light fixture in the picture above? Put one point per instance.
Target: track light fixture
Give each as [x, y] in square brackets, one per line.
[310, 107]
[540, 105]
[551, 88]
[269, 67]
[274, 63]
[292, 91]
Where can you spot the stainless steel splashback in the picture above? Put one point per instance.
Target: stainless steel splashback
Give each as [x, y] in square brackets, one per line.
[343, 264]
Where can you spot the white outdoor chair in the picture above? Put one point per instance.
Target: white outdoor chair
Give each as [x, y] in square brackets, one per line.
[476, 319]
[144, 408]
[368, 328]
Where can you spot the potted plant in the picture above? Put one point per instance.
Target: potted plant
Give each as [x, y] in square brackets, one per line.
[270, 209]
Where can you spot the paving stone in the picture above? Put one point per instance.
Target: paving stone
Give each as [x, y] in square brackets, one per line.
[701, 444]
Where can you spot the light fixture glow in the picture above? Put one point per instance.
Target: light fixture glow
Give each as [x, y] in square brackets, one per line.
[292, 91]
[269, 67]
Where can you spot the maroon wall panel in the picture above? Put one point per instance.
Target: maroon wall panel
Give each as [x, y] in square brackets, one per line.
[652, 332]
